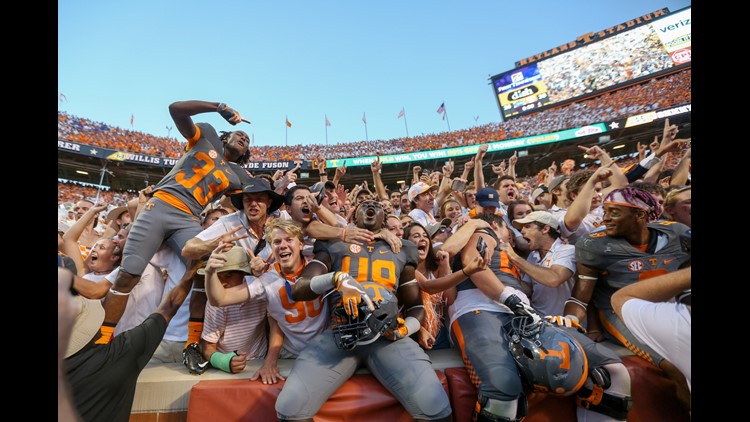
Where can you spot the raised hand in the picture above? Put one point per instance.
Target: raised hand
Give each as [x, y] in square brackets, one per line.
[230, 115]
[341, 170]
[257, 265]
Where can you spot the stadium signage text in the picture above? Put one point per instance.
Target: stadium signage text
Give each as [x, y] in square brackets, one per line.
[594, 36]
[129, 157]
[446, 153]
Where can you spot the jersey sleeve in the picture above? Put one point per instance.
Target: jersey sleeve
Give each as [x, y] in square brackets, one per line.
[588, 251]
[410, 252]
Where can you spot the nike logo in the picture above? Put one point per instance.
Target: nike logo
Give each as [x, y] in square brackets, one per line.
[383, 252]
[667, 261]
[202, 365]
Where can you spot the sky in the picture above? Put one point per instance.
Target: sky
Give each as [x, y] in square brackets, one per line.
[308, 60]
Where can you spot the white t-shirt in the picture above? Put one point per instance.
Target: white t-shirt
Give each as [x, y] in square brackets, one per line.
[671, 337]
[143, 300]
[166, 258]
[592, 220]
[421, 217]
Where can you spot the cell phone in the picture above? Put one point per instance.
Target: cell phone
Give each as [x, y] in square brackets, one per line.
[458, 185]
[481, 246]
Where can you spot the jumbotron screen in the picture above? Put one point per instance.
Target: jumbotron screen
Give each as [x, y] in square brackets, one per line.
[640, 48]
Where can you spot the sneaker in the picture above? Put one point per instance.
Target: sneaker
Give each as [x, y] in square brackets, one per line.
[192, 358]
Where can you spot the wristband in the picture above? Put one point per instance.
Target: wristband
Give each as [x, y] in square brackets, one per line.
[222, 360]
[116, 293]
[462, 270]
[323, 283]
[220, 107]
[412, 325]
[342, 236]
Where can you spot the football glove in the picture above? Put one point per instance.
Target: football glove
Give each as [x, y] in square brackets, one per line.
[227, 113]
[565, 321]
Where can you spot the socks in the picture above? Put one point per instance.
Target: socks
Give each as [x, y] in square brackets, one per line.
[195, 328]
[107, 329]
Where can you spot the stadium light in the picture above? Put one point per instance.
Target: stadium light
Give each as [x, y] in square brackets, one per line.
[619, 146]
[82, 172]
[398, 182]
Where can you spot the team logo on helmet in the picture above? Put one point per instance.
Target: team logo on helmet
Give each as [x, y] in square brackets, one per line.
[368, 326]
[550, 359]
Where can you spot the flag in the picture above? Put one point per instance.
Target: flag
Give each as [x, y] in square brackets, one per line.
[441, 109]
[400, 113]
[288, 123]
[63, 97]
[364, 119]
[328, 122]
[131, 120]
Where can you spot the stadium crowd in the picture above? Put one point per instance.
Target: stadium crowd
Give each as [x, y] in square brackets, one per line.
[667, 91]
[542, 234]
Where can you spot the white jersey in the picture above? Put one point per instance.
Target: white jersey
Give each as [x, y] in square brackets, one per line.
[143, 299]
[230, 222]
[551, 300]
[299, 321]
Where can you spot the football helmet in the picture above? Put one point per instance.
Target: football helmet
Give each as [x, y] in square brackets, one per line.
[368, 326]
[550, 359]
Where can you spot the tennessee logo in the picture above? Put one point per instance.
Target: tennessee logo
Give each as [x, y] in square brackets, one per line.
[636, 265]
[213, 154]
[355, 248]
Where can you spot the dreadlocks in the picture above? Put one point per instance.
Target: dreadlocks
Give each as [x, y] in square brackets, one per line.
[244, 159]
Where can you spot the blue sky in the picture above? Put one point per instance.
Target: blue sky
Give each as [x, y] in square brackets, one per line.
[307, 59]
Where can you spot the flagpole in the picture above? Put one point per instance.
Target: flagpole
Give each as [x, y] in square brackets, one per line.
[447, 120]
[286, 131]
[364, 119]
[326, 125]
[405, 126]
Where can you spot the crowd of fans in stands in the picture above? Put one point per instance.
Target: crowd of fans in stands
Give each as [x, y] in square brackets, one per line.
[668, 91]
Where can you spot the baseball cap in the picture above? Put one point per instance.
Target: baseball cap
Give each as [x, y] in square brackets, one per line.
[236, 261]
[87, 322]
[432, 229]
[555, 183]
[537, 216]
[538, 191]
[418, 189]
[488, 197]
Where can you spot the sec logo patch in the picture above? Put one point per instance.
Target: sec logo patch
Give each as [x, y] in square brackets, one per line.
[213, 154]
[355, 248]
[635, 265]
